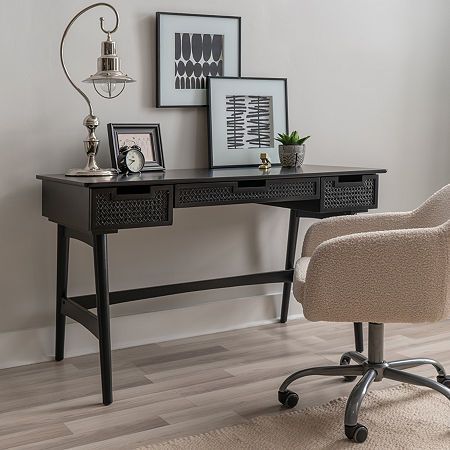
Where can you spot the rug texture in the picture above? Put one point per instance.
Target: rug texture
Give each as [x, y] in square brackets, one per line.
[402, 417]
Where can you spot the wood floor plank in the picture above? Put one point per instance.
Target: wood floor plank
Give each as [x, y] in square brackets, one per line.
[55, 431]
[96, 436]
[126, 416]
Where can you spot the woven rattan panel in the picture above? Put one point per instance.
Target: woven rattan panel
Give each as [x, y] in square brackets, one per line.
[117, 213]
[337, 196]
[197, 195]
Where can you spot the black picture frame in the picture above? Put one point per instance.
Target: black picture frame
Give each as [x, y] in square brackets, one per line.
[210, 131]
[152, 129]
[159, 102]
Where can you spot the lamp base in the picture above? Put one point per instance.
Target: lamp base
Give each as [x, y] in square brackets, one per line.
[91, 172]
[91, 144]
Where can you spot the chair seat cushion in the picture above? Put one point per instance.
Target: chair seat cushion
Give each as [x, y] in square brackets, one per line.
[301, 268]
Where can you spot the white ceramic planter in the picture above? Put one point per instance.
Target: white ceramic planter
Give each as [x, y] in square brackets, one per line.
[291, 155]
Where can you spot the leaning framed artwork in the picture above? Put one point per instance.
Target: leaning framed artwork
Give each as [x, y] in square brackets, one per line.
[145, 136]
[244, 117]
[189, 49]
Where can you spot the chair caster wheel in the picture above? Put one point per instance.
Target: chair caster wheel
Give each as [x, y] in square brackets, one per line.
[356, 433]
[444, 380]
[345, 361]
[287, 398]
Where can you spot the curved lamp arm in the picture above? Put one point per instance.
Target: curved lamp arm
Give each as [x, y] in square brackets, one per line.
[61, 47]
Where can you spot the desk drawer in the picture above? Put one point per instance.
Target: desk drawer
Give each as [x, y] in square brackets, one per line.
[245, 191]
[131, 207]
[349, 193]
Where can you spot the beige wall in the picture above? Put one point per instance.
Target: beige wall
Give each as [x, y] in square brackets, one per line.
[369, 80]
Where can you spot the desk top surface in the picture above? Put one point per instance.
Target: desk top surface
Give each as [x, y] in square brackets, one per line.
[208, 175]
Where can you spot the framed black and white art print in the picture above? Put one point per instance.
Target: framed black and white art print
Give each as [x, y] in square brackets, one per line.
[147, 136]
[190, 48]
[244, 117]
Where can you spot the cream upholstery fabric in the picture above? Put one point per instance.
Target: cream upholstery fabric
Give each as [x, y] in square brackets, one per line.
[300, 277]
[390, 267]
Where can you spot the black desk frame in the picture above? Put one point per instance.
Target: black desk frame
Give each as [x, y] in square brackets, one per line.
[78, 308]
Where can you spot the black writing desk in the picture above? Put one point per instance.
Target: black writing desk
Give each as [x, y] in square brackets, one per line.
[88, 209]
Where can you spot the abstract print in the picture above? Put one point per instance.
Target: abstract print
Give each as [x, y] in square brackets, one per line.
[249, 121]
[196, 57]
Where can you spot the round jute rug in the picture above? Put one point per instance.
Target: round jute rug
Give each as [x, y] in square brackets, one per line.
[402, 417]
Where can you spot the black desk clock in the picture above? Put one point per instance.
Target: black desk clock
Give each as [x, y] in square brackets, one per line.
[130, 159]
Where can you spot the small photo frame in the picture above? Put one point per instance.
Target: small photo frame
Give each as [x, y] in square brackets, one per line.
[146, 136]
[189, 49]
[244, 117]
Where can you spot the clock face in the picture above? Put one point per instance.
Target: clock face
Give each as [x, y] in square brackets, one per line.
[134, 160]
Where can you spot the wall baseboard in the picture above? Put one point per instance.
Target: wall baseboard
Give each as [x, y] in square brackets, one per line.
[32, 346]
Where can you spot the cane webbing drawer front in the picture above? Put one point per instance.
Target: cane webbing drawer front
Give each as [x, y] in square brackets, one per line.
[246, 191]
[148, 206]
[349, 193]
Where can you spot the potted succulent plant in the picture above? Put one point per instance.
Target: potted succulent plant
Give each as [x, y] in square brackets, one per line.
[292, 149]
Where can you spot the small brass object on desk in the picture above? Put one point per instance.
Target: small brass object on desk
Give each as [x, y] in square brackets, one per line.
[266, 165]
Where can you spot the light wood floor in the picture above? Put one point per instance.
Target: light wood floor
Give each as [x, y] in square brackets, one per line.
[187, 386]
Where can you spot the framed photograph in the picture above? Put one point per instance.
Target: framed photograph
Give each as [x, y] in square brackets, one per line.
[190, 48]
[244, 117]
[146, 136]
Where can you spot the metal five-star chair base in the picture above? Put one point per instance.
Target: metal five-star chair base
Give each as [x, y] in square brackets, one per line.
[373, 368]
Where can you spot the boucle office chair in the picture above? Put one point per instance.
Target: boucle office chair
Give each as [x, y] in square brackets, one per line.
[378, 268]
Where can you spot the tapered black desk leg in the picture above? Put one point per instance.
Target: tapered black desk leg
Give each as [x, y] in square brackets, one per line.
[62, 270]
[290, 257]
[359, 336]
[102, 293]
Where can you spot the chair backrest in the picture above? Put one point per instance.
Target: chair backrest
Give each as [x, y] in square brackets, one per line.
[433, 212]
[446, 229]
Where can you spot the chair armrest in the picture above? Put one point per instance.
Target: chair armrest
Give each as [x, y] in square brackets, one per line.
[344, 225]
[387, 276]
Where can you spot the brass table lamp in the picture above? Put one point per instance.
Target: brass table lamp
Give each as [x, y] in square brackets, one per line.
[109, 82]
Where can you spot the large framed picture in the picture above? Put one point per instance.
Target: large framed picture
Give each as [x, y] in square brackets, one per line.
[244, 117]
[146, 136]
[190, 48]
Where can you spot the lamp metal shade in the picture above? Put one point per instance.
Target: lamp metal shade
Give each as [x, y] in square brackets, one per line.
[108, 66]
